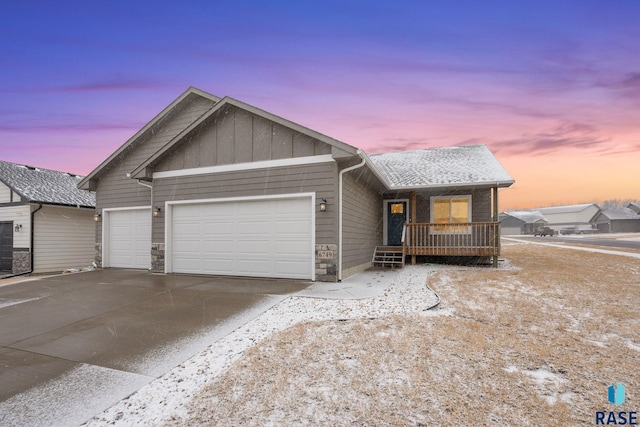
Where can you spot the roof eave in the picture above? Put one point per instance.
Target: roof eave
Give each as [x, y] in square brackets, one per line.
[487, 184]
[85, 183]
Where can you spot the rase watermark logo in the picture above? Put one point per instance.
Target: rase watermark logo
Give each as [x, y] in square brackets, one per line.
[616, 396]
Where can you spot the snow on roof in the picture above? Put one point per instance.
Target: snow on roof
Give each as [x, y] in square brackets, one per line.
[634, 206]
[527, 216]
[620, 213]
[566, 209]
[45, 185]
[466, 165]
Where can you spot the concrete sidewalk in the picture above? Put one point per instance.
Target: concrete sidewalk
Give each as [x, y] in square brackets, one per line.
[369, 283]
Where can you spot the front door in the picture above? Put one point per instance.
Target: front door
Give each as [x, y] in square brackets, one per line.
[6, 246]
[396, 217]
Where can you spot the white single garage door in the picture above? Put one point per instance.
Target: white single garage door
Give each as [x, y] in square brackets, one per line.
[259, 238]
[129, 238]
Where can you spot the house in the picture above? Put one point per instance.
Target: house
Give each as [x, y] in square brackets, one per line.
[46, 222]
[216, 186]
[580, 216]
[634, 207]
[521, 222]
[618, 220]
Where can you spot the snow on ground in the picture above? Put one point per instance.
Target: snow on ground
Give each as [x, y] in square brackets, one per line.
[560, 245]
[165, 398]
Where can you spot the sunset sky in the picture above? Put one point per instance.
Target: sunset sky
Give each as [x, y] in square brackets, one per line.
[552, 87]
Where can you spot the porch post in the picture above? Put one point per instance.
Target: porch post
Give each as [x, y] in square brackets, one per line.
[496, 242]
[414, 210]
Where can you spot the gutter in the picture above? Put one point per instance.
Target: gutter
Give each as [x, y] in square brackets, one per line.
[342, 172]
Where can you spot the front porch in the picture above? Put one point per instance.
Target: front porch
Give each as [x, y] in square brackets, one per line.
[477, 239]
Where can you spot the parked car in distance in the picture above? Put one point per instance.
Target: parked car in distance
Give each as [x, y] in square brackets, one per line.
[544, 231]
[579, 230]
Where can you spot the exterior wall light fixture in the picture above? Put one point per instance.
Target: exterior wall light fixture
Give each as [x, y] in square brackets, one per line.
[17, 228]
[156, 211]
[323, 205]
[96, 216]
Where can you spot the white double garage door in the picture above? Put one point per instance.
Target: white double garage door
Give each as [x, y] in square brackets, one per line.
[266, 237]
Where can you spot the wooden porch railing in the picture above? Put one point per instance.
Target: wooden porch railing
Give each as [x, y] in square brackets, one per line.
[461, 239]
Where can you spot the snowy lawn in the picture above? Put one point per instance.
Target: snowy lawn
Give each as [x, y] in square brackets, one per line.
[535, 343]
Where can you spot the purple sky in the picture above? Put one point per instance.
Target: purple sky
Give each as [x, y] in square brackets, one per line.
[552, 87]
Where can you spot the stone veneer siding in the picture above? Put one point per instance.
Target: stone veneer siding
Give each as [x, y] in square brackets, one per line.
[99, 255]
[157, 257]
[21, 261]
[326, 263]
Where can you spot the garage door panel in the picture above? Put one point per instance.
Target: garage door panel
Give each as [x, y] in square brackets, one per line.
[219, 228]
[217, 247]
[262, 247]
[254, 267]
[249, 238]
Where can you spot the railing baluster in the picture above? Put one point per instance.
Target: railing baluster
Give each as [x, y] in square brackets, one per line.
[471, 238]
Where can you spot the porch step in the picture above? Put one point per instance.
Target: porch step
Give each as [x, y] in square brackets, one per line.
[388, 256]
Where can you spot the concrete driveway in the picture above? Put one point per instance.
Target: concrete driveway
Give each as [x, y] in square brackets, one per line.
[73, 345]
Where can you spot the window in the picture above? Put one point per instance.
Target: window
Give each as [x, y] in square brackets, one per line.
[397, 208]
[451, 210]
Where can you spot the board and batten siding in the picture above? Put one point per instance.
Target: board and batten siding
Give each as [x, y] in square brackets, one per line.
[63, 238]
[114, 189]
[318, 178]
[233, 136]
[19, 214]
[361, 223]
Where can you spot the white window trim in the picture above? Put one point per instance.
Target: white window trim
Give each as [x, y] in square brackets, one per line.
[461, 196]
[168, 222]
[385, 217]
[294, 161]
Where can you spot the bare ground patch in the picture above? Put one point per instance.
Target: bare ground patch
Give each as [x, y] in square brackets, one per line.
[534, 345]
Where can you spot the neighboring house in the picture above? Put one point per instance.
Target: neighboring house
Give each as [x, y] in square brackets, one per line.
[572, 216]
[521, 222]
[634, 207]
[618, 220]
[46, 222]
[216, 186]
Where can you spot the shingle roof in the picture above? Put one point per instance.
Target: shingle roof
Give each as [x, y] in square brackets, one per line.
[45, 185]
[441, 167]
[528, 217]
[620, 213]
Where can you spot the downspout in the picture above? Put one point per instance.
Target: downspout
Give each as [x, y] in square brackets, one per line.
[342, 172]
[150, 187]
[33, 232]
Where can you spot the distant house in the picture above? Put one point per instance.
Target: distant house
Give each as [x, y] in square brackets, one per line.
[521, 222]
[217, 186]
[634, 207]
[46, 222]
[618, 220]
[572, 216]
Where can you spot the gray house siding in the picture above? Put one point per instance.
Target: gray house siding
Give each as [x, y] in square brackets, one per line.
[236, 136]
[362, 222]
[320, 179]
[480, 202]
[114, 189]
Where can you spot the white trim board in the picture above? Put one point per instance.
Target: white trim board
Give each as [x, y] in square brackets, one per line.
[294, 161]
